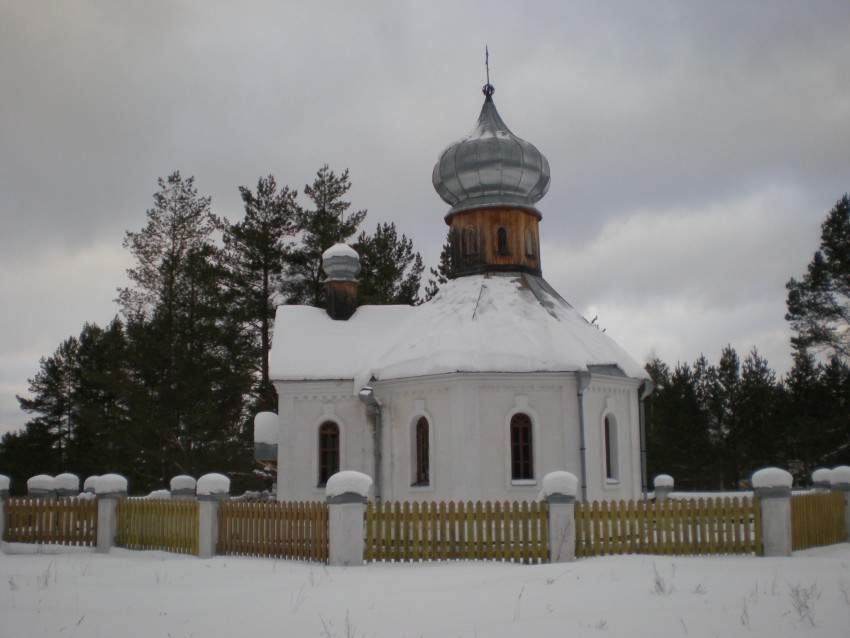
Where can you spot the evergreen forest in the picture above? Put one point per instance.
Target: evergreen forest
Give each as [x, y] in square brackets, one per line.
[171, 384]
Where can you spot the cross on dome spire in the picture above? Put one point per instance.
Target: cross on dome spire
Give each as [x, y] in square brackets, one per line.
[488, 88]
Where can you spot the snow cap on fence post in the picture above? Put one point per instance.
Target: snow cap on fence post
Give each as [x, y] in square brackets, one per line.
[110, 486]
[839, 478]
[772, 486]
[266, 432]
[183, 486]
[211, 489]
[346, 493]
[89, 484]
[822, 479]
[108, 489]
[4, 494]
[559, 490]
[66, 484]
[40, 485]
[663, 486]
[840, 482]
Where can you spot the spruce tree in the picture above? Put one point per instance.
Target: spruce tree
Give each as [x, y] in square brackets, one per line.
[762, 440]
[678, 437]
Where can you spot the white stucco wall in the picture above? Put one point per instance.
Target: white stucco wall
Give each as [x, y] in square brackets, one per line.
[469, 416]
[302, 408]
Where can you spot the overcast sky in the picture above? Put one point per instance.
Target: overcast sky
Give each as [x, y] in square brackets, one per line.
[695, 147]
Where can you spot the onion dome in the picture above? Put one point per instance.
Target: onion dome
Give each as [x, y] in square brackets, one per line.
[491, 166]
[341, 263]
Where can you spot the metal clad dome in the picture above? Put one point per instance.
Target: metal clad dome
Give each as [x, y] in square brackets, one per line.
[491, 166]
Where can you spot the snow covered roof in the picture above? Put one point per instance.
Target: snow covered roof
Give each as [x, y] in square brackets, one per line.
[493, 322]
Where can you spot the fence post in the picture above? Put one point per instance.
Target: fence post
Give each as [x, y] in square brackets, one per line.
[5, 481]
[346, 494]
[212, 489]
[772, 486]
[108, 489]
[559, 490]
[840, 482]
[663, 486]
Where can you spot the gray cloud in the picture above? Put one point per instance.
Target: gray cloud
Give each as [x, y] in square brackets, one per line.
[695, 147]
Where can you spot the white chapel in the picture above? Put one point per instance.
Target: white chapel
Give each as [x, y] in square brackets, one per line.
[474, 395]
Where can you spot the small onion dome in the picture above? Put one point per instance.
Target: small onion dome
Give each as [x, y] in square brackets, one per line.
[491, 166]
[341, 262]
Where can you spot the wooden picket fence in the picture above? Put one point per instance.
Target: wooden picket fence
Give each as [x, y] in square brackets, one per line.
[703, 526]
[61, 521]
[413, 531]
[817, 519]
[296, 530]
[170, 525]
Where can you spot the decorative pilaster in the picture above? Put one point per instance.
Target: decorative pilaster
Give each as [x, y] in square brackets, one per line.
[108, 489]
[346, 494]
[663, 486]
[840, 482]
[212, 489]
[772, 486]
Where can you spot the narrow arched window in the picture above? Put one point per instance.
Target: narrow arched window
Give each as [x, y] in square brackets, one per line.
[612, 472]
[522, 455]
[328, 451]
[529, 243]
[422, 453]
[470, 244]
[502, 241]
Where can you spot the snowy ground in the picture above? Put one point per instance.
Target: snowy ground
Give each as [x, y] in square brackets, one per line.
[141, 594]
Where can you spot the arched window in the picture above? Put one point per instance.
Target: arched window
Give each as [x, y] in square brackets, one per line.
[328, 451]
[522, 452]
[612, 471]
[529, 243]
[502, 241]
[470, 244]
[422, 476]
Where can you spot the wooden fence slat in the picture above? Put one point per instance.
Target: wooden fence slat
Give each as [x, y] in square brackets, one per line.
[817, 519]
[419, 531]
[64, 520]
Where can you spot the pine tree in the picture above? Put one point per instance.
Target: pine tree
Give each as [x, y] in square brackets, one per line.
[442, 273]
[189, 356]
[179, 226]
[53, 391]
[819, 304]
[390, 271]
[78, 402]
[256, 250]
[28, 452]
[318, 229]
[101, 439]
